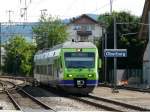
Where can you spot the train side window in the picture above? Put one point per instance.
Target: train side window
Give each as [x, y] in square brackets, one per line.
[40, 69]
[44, 69]
[49, 69]
[36, 69]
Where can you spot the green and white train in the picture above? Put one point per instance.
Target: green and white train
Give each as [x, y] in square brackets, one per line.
[72, 66]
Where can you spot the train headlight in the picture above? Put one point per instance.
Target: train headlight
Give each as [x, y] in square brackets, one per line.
[79, 50]
[90, 75]
[69, 75]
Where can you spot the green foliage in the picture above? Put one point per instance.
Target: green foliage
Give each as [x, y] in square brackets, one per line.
[49, 32]
[127, 38]
[19, 56]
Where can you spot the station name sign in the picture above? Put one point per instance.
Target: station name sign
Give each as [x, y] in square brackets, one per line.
[115, 52]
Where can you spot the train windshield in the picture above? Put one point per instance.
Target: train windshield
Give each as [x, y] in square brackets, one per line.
[79, 59]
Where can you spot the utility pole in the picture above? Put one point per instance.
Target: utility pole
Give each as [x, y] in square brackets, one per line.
[0, 50]
[25, 9]
[9, 15]
[115, 58]
[105, 57]
[105, 78]
[43, 12]
[111, 1]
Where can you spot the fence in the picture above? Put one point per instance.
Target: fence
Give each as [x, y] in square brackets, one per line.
[127, 76]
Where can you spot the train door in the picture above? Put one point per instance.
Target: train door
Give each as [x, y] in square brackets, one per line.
[56, 69]
[60, 69]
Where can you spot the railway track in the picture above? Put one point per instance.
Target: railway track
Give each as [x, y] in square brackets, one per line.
[102, 103]
[129, 107]
[1, 86]
[7, 85]
[107, 104]
[22, 100]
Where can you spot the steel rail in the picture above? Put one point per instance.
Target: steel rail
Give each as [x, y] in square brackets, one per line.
[5, 85]
[5, 88]
[67, 95]
[37, 101]
[17, 106]
[129, 106]
[105, 107]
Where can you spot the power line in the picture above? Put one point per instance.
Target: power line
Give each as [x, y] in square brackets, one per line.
[105, 5]
[70, 5]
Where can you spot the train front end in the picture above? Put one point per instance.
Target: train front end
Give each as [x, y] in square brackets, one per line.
[80, 69]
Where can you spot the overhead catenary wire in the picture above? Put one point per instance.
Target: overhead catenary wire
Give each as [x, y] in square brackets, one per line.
[105, 5]
[97, 9]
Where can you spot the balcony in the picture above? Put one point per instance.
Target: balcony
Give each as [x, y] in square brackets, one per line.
[84, 33]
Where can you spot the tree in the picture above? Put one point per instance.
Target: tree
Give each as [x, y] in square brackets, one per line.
[125, 40]
[49, 32]
[19, 56]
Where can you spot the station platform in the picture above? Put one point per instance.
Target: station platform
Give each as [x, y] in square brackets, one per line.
[127, 96]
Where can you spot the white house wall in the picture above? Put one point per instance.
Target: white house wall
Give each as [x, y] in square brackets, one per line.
[96, 33]
[71, 32]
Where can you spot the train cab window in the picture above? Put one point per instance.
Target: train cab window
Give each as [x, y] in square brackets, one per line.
[79, 59]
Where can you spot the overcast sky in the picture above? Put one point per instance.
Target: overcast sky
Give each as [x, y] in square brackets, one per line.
[65, 8]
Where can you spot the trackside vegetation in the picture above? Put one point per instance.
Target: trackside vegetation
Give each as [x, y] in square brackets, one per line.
[49, 32]
[19, 56]
[19, 52]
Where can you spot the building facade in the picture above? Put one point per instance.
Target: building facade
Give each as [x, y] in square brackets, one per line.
[9, 30]
[145, 34]
[84, 28]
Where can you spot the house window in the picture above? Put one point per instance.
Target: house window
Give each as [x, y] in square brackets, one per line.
[86, 27]
[77, 27]
[83, 38]
[92, 27]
